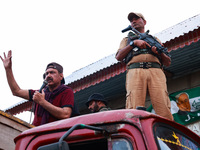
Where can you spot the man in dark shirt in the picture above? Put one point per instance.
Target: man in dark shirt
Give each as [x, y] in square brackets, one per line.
[55, 102]
[97, 103]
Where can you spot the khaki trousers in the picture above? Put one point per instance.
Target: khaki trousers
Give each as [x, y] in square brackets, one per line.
[137, 82]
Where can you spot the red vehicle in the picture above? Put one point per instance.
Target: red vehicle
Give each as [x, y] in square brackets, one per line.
[123, 129]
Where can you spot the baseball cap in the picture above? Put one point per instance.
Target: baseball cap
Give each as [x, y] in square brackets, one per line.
[132, 14]
[56, 66]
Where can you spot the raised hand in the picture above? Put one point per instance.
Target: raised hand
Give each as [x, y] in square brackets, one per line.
[39, 97]
[7, 62]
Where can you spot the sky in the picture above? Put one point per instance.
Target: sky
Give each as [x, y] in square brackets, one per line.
[73, 33]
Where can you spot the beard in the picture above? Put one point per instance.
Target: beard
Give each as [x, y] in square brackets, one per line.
[96, 108]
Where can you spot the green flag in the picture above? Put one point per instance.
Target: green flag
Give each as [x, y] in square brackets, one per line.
[185, 106]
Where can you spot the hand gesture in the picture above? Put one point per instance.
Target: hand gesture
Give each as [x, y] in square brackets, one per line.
[154, 49]
[39, 97]
[141, 44]
[7, 60]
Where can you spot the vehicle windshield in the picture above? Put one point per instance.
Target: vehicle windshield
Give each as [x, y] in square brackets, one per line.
[170, 139]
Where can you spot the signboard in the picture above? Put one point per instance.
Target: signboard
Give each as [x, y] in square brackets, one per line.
[185, 106]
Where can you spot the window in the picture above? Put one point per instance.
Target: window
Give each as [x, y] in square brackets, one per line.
[169, 138]
[121, 144]
[99, 144]
[102, 144]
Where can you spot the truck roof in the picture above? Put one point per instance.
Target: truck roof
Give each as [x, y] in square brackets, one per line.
[113, 116]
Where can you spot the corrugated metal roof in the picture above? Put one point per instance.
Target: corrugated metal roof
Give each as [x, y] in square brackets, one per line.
[19, 107]
[179, 29]
[17, 104]
[90, 69]
[185, 60]
[166, 35]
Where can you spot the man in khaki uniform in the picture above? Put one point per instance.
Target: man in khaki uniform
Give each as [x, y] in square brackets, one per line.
[144, 70]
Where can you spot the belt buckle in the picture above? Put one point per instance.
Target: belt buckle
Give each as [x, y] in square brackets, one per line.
[145, 65]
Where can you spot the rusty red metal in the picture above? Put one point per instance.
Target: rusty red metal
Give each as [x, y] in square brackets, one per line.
[183, 40]
[121, 124]
[98, 77]
[136, 125]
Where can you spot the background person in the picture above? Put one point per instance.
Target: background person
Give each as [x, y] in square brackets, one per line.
[183, 103]
[97, 103]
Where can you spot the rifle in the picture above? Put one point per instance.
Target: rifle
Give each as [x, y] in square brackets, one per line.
[148, 38]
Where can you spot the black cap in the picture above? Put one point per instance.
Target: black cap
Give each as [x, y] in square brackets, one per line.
[56, 66]
[96, 97]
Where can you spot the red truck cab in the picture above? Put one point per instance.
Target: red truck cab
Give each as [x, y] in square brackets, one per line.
[124, 129]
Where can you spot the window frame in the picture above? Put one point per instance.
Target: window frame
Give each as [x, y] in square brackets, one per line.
[172, 128]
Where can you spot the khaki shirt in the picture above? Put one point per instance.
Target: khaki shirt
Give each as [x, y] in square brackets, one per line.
[138, 58]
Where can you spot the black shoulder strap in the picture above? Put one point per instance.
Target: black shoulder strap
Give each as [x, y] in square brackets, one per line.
[131, 36]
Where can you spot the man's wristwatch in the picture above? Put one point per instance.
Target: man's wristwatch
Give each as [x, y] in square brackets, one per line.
[132, 44]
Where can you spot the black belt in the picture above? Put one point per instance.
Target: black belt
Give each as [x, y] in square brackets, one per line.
[144, 65]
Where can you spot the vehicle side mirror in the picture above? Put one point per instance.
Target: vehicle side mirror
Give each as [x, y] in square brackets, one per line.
[55, 146]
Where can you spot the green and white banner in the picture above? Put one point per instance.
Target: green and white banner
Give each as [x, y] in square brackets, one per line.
[185, 106]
